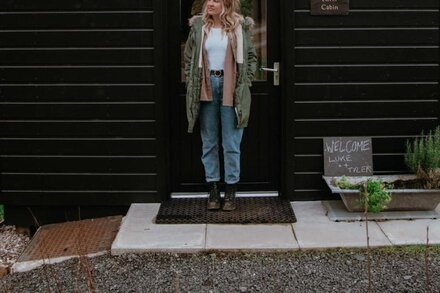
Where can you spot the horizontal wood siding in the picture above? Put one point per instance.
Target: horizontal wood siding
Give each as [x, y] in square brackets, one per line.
[79, 102]
[372, 73]
[83, 111]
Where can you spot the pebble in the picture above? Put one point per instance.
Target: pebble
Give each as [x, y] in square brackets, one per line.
[12, 244]
[359, 257]
[222, 272]
[276, 272]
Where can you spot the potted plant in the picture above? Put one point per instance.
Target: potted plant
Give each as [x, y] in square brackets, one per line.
[417, 192]
[423, 158]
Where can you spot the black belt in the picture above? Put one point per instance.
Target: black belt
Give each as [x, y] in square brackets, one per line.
[217, 73]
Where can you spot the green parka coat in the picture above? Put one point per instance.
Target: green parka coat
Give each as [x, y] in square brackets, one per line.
[245, 73]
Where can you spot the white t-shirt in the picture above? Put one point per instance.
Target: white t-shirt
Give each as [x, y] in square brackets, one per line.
[216, 45]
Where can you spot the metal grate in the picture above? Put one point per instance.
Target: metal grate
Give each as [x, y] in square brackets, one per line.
[255, 210]
[72, 238]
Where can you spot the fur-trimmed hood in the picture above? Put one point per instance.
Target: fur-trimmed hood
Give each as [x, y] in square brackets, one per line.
[247, 22]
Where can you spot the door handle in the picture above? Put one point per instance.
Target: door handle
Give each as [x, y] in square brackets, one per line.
[276, 72]
[269, 69]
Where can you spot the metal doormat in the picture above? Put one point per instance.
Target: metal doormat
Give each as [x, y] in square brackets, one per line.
[72, 238]
[250, 210]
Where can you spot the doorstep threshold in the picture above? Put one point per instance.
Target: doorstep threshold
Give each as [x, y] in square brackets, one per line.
[238, 194]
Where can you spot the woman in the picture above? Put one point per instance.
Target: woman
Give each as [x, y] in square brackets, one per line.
[220, 62]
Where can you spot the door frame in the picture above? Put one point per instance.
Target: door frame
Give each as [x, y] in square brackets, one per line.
[287, 47]
[171, 52]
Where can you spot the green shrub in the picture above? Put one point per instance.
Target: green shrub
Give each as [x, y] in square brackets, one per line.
[422, 156]
[344, 183]
[372, 192]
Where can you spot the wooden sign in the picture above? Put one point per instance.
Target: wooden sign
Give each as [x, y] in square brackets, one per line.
[329, 7]
[350, 156]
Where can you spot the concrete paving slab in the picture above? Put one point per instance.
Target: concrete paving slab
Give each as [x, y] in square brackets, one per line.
[338, 234]
[250, 237]
[139, 233]
[315, 230]
[309, 212]
[411, 232]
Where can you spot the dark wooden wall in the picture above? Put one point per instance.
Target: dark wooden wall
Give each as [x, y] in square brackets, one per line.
[372, 73]
[80, 102]
[83, 108]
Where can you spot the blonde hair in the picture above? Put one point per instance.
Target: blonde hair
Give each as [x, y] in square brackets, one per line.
[230, 15]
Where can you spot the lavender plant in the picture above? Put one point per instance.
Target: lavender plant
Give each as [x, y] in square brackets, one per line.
[422, 157]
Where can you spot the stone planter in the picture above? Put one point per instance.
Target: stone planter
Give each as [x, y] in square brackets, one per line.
[402, 199]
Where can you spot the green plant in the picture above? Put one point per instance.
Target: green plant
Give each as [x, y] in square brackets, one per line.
[344, 183]
[373, 192]
[422, 156]
[2, 213]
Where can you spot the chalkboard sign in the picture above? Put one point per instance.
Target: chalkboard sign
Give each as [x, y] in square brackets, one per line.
[329, 7]
[350, 156]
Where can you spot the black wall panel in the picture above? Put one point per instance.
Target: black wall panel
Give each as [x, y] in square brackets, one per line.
[79, 102]
[76, 5]
[374, 72]
[82, 100]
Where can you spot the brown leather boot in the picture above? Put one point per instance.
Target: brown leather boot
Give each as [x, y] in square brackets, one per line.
[229, 204]
[214, 196]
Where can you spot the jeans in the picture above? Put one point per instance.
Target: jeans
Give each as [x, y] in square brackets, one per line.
[211, 114]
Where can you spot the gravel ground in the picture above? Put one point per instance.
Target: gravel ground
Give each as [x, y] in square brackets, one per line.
[12, 245]
[393, 270]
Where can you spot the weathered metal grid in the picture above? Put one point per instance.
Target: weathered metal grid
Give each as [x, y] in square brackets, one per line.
[255, 210]
[72, 238]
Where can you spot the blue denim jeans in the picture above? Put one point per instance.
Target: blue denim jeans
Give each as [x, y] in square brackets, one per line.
[212, 115]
